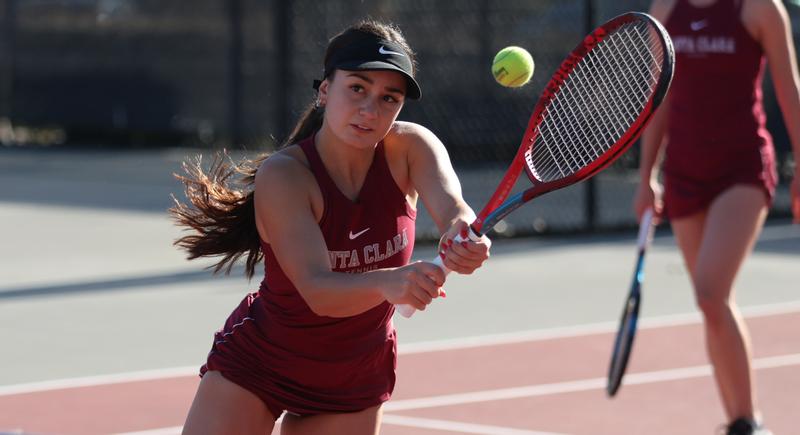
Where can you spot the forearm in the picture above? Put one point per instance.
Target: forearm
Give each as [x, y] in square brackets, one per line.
[648, 169]
[652, 139]
[336, 294]
[458, 212]
[442, 195]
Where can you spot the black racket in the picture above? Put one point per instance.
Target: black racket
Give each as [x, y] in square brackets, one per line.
[623, 343]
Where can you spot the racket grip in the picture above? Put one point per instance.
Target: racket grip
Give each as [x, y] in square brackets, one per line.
[407, 310]
[645, 228]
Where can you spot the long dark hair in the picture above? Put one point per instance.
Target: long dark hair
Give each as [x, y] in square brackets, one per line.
[221, 207]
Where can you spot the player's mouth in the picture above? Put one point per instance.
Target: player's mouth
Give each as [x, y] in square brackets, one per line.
[361, 128]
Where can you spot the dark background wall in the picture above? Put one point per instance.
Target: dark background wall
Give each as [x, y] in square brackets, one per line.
[237, 73]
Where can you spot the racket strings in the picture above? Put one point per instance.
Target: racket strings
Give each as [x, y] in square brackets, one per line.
[600, 123]
[598, 102]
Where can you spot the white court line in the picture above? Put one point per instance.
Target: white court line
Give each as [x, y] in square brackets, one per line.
[92, 381]
[527, 391]
[175, 430]
[586, 329]
[456, 426]
[413, 348]
[399, 420]
[576, 386]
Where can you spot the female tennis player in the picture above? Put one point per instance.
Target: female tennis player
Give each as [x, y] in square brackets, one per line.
[332, 214]
[719, 164]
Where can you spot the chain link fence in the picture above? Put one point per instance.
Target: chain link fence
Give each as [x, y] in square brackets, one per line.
[237, 73]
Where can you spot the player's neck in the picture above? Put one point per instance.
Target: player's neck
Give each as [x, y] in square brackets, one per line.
[345, 163]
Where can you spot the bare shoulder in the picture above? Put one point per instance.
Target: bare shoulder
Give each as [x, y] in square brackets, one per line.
[763, 11]
[411, 148]
[414, 141]
[661, 9]
[405, 134]
[285, 190]
[287, 167]
[764, 16]
[411, 139]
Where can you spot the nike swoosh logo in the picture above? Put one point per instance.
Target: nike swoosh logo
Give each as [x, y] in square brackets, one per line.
[697, 25]
[383, 50]
[353, 236]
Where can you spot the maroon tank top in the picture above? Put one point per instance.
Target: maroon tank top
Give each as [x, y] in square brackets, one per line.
[338, 363]
[374, 231]
[274, 345]
[716, 121]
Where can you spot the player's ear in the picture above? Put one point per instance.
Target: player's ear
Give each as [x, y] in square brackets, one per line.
[322, 95]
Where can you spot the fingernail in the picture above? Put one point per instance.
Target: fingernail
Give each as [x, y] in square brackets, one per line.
[442, 293]
[464, 243]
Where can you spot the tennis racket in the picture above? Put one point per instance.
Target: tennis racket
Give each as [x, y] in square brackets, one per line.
[630, 312]
[592, 110]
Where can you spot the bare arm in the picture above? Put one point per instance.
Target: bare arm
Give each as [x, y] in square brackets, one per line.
[648, 193]
[774, 33]
[653, 137]
[431, 174]
[655, 134]
[285, 213]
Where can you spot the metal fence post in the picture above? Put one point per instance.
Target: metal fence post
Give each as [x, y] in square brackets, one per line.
[283, 43]
[235, 72]
[8, 46]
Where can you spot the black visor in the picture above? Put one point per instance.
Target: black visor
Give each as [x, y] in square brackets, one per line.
[373, 53]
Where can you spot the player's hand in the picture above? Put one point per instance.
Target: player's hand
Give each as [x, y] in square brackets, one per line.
[465, 256]
[648, 195]
[415, 284]
[794, 193]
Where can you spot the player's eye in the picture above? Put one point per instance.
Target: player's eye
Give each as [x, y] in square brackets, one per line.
[390, 99]
[357, 88]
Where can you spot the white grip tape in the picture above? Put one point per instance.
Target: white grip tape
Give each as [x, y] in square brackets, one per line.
[407, 310]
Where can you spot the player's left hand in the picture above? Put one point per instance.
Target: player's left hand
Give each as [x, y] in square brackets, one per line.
[465, 256]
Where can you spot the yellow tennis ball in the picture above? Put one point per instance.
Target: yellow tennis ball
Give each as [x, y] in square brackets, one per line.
[512, 66]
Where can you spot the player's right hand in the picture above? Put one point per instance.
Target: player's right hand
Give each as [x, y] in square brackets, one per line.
[648, 195]
[465, 256]
[415, 284]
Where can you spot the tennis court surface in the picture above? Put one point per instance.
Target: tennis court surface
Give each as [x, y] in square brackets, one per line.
[105, 325]
[535, 383]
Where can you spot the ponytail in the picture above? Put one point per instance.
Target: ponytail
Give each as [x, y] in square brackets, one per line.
[310, 121]
[221, 209]
[221, 215]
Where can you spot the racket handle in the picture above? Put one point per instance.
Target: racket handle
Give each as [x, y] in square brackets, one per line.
[440, 262]
[645, 228]
[407, 310]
